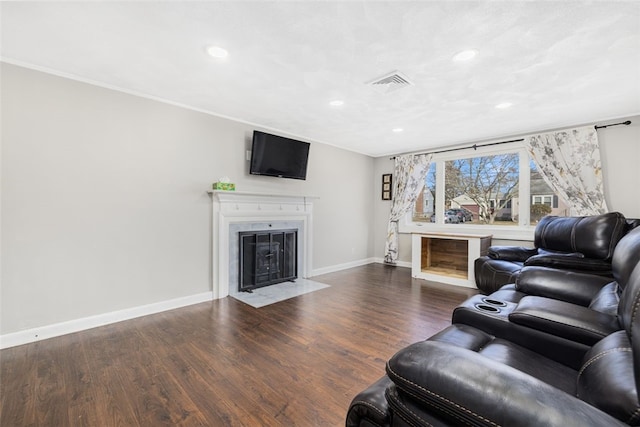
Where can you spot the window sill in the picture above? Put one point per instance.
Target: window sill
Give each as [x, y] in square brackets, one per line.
[499, 232]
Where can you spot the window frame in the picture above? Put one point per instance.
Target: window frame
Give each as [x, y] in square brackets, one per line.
[542, 198]
[521, 231]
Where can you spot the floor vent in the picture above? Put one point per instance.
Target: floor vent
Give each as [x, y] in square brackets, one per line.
[390, 82]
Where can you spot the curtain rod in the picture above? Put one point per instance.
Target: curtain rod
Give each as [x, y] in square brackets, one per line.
[475, 146]
[628, 122]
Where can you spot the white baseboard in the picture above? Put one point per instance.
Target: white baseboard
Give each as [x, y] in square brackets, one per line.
[49, 331]
[57, 329]
[397, 264]
[339, 267]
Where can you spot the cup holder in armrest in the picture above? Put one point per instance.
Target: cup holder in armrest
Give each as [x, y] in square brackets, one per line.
[487, 308]
[494, 302]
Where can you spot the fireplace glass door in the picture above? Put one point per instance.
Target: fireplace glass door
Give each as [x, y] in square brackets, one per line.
[267, 257]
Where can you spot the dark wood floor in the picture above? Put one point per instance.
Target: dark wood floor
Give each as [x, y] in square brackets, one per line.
[224, 363]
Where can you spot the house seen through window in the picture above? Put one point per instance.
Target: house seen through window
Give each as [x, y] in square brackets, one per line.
[487, 190]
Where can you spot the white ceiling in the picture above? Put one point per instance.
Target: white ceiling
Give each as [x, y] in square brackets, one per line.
[560, 63]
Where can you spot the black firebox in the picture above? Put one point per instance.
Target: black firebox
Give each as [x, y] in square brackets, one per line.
[267, 257]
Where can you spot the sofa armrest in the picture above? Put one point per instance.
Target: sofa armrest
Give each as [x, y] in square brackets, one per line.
[569, 286]
[570, 262]
[461, 386]
[511, 253]
[563, 319]
[369, 407]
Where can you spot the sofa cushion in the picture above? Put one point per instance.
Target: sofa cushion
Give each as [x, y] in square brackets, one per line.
[607, 299]
[543, 251]
[606, 379]
[576, 288]
[626, 256]
[563, 319]
[468, 388]
[571, 262]
[508, 293]
[508, 353]
[511, 253]
[593, 236]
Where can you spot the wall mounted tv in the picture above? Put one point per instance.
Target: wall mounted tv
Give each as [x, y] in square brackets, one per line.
[274, 155]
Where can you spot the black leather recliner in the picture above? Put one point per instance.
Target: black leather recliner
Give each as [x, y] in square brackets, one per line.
[484, 373]
[579, 244]
[596, 292]
[557, 313]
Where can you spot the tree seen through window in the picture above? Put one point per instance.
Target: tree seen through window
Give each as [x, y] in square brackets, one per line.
[485, 190]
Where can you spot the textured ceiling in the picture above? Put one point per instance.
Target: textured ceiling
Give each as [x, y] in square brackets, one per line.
[559, 63]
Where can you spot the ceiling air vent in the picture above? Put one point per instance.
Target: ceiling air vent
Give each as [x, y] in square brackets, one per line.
[390, 82]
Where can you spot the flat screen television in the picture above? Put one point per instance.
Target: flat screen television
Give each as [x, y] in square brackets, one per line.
[274, 155]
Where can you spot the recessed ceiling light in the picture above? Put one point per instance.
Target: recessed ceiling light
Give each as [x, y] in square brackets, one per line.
[504, 105]
[465, 55]
[397, 130]
[217, 52]
[337, 103]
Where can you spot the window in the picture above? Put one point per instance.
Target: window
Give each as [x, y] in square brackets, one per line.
[542, 200]
[483, 185]
[486, 188]
[424, 208]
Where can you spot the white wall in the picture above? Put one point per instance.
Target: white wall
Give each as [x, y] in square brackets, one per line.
[104, 203]
[620, 154]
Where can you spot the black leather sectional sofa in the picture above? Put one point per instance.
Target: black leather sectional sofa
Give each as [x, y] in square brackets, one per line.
[581, 244]
[558, 348]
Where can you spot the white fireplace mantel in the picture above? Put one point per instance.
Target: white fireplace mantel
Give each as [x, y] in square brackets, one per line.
[234, 207]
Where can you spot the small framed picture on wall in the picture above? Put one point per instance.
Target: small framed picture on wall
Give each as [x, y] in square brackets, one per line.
[386, 186]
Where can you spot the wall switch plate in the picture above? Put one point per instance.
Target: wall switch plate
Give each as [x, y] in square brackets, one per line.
[248, 154]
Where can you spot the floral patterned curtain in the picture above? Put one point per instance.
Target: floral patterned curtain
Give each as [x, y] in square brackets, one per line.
[569, 161]
[409, 175]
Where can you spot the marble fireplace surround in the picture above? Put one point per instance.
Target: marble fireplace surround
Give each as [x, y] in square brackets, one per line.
[235, 211]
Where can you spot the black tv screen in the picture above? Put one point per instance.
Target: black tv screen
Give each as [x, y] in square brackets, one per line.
[274, 155]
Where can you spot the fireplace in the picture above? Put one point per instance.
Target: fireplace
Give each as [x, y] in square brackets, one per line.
[267, 257]
[235, 212]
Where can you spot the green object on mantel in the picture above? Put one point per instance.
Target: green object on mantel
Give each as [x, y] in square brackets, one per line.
[226, 186]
